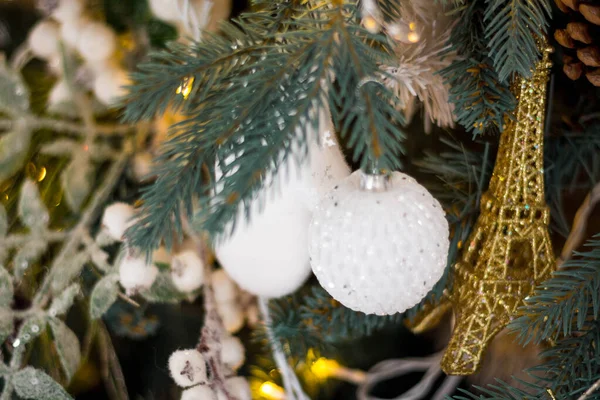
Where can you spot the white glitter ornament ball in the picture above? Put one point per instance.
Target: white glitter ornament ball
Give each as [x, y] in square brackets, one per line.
[269, 256]
[378, 245]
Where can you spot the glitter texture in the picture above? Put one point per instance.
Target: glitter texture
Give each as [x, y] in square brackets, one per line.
[380, 246]
[509, 250]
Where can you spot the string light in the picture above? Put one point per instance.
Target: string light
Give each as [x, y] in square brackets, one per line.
[186, 87]
[371, 24]
[271, 391]
[323, 368]
[42, 174]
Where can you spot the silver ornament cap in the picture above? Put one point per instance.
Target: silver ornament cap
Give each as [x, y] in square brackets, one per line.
[378, 243]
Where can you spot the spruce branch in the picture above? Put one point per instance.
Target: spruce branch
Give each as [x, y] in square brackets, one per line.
[511, 28]
[481, 100]
[565, 302]
[256, 89]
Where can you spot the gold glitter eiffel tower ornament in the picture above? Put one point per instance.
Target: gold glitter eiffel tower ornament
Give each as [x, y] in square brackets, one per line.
[509, 251]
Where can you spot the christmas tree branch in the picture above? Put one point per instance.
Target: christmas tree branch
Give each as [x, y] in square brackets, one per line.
[249, 110]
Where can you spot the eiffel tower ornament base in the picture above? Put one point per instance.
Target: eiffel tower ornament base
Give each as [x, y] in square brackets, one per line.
[509, 251]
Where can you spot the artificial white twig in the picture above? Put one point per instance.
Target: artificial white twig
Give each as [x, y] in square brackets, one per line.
[293, 389]
[580, 221]
[590, 391]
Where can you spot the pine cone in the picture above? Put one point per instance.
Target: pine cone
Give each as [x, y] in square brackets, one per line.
[581, 40]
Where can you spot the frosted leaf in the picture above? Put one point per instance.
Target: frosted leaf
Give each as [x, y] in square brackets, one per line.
[76, 180]
[27, 256]
[14, 94]
[61, 303]
[31, 328]
[67, 346]
[104, 295]
[31, 383]
[163, 290]
[60, 147]
[3, 221]
[6, 287]
[70, 269]
[32, 211]
[6, 324]
[14, 147]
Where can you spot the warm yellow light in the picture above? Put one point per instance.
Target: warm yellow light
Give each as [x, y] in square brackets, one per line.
[323, 368]
[413, 37]
[42, 174]
[371, 24]
[186, 87]
[412, 26]
[271, 391]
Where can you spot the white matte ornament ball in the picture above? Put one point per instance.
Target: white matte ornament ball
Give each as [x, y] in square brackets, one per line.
[187, 367]
[97, 42]
[187, 271]
[117, 218]
[135, 274]
[268, 256]
[109, 85]
[44, 38]
[378, 246]
[232, 352]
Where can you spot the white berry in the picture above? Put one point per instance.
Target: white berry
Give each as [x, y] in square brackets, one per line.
[187, 367]
[136, 274]
[232, 352]
[378, 246]
[97, 42]
[224, 288]
[68, 10]
[142, 166]
[109, 85]
[200, 392]
[117, 218]
[44, 38]
[71, 29]
[231, 315]
[238, 386]
[187, 271]
[165, 10]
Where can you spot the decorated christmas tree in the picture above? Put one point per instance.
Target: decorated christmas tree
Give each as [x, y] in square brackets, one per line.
[299, 199]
